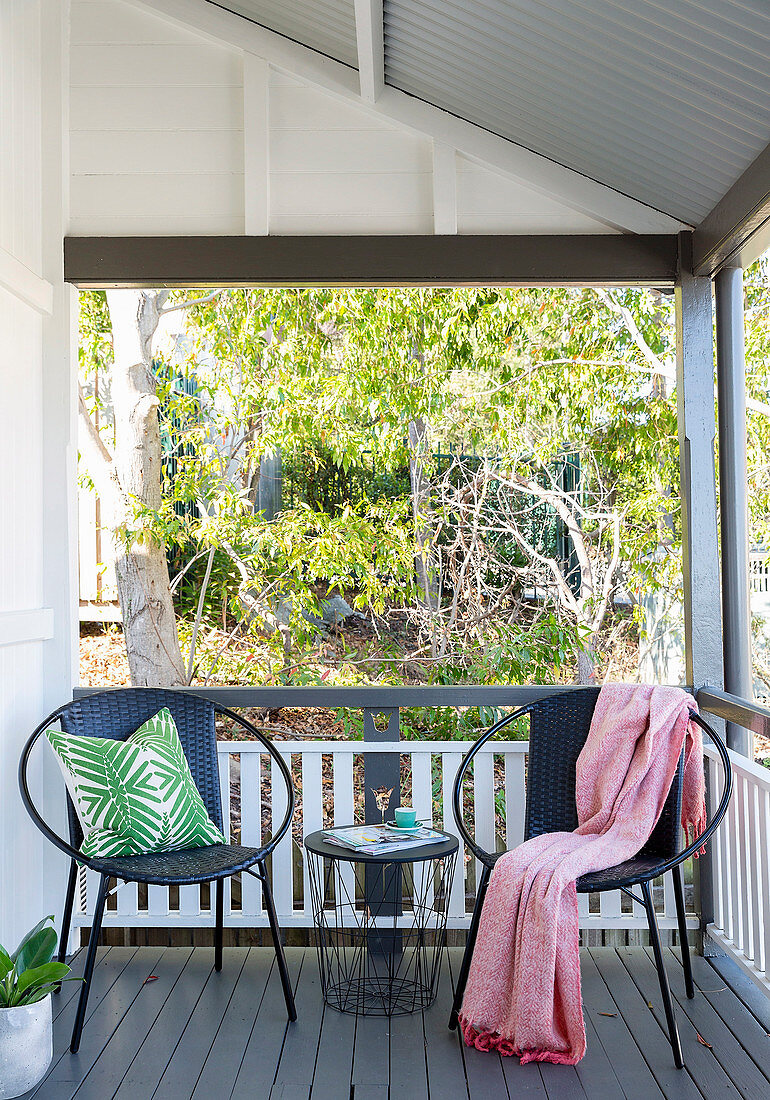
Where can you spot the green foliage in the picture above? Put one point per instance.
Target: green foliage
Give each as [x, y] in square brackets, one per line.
[328, 377]
[29, 974]
[756, 285]
[366, 549]
[564, 371]
[312, 477]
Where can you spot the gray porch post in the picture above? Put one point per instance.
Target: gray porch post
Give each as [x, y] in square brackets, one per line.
[700, 549]
[695, 414]
[733, 497]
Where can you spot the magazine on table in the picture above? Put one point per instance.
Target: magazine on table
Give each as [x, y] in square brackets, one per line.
[380, 839]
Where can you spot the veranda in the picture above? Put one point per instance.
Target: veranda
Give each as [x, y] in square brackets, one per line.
[156, 142]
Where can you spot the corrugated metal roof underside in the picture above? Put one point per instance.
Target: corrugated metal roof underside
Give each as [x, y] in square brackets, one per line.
[328, 26]
[667, 101]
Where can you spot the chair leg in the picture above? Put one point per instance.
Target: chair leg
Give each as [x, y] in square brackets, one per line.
[66, 920]
[220, 920]
[88, 972]
[665, 990]
[680, 916]
[462, 977]
[283, 970]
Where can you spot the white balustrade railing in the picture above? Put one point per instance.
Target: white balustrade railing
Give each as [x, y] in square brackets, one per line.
[326, 792]
[740, 854]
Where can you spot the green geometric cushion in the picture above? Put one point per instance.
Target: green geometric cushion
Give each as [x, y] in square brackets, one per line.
[134, 796]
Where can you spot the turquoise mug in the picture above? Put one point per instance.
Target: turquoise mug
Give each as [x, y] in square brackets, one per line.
[406, 817]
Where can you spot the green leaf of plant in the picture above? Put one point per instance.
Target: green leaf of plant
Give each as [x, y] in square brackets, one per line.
[6, 963]
[33, 996]
[38, 993]
[36, 950]
[47, 974]
[32, 932]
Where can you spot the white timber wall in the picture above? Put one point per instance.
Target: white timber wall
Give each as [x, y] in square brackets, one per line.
[36, 495]
[172, 132]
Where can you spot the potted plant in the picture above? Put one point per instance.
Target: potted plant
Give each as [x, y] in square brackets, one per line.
[27, 979]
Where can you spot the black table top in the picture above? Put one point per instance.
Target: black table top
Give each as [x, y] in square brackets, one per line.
[317, 843]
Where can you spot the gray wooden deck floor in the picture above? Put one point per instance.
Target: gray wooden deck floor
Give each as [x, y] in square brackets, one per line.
[192, 1033]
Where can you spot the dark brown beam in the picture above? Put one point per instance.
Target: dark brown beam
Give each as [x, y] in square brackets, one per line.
[738, 228]
[602, 260]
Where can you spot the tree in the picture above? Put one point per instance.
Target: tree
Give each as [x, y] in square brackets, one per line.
[560, 372]
[522, 374]
[129, 485]
[238, 413]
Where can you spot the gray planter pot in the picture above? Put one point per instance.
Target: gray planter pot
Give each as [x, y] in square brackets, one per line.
[26, 1047]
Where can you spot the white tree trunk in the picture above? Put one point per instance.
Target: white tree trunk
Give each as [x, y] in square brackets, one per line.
[587, 662]
[149, 623]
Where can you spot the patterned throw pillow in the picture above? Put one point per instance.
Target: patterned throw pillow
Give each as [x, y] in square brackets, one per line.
[134, 796]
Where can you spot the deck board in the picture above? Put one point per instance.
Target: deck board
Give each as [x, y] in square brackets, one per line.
[334, 1063]
[603, 1015]
[702, 1065]
[751, 1034]
[106, 1076]
[298, 1057]
[262, 1055]
[154, 1055]
[725, 1047]
[443, 1048]
[643, 1027]
[220, 1071]
[193, 1033]
[71, 1069]
[408, 1070]
[182, 1072]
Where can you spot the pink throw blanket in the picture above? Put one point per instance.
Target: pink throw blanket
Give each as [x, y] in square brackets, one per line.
[523, 992]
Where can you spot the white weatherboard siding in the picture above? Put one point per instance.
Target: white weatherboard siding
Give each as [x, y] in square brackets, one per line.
[489, 203]
[35, 638]
[176, 133]
[335, 169]
[156, 126]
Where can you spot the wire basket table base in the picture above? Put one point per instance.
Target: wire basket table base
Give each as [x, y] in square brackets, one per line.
[380, 928]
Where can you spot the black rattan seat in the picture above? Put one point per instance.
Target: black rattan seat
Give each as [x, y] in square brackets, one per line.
[631, 873]
[558, 728]
[181, 868]
[116, 714]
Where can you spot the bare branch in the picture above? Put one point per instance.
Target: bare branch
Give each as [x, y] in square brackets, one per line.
[192, 302]
[657, 364]
[567, 517]
[98, 460]
[196, 557]
[199, 615]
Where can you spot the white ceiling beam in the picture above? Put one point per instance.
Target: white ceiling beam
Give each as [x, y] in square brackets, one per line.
[370, 39]
[580, 193]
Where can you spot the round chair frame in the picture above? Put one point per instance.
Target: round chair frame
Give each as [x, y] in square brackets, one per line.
[621, 877]
[213, 863]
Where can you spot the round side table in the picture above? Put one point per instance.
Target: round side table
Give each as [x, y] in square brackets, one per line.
[380, 923]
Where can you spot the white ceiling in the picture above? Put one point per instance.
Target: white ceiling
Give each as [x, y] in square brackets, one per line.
[665, 101]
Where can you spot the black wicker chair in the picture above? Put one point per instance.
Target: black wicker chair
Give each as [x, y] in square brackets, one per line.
[558, 729]
[117, 713]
